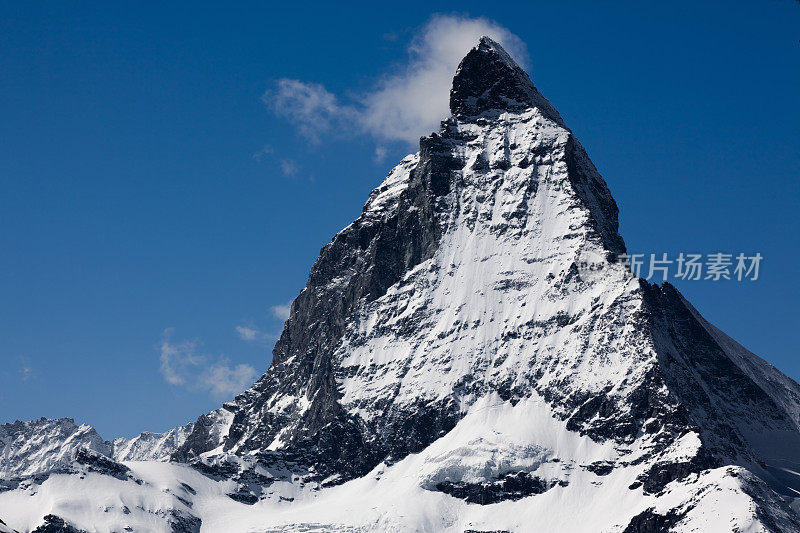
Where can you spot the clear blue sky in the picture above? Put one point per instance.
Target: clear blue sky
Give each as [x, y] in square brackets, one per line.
[131, 203]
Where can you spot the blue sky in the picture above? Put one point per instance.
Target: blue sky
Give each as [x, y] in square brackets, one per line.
[156, 213]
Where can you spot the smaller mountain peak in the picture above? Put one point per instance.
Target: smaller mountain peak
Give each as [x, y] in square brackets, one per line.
[489, 79]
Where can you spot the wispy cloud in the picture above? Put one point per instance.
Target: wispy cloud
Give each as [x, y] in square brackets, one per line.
[281, 311]
[308, 106]
[250, 333]
[179, 360]
[289, 167]
[26, 368]
[264, 152]
[222, 379]
[182, 365]
[404, 104]
[380, 154]
[247, 333]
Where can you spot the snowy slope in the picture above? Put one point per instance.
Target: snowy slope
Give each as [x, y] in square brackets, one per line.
[451, 366]
[494, 436]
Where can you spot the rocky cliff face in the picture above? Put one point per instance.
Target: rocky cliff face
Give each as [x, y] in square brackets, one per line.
[450, 366]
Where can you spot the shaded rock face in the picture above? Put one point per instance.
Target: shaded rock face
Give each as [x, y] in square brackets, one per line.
[488, 80]
[717, 395]
[94, 462]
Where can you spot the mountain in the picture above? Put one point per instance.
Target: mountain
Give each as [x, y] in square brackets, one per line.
[451, 365]
[40, 446]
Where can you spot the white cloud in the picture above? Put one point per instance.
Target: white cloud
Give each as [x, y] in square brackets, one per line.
[404, 104]
[182, 365]
[247, 333]
[281, 311]
[413, 101]
[222, 379]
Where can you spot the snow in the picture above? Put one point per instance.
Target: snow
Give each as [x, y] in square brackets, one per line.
[493, 437]
[155, 446]
[392, 186]
[44, 445]
[482, 304]
[95, 502]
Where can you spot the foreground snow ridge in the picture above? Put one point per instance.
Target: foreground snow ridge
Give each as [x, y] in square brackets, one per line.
[449, 368]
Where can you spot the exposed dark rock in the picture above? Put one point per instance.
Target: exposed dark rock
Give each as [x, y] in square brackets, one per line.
[595, 195]
[183, 522]
[100, 464]
[489, 80]
[511, 486]
[660, 474]
[601, 468]
[55, 524]
[244, 497]
[651, 522]
[375, 253]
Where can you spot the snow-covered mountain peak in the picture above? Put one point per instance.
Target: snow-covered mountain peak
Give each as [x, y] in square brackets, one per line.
[44, 445]
[450, 367]
[488, 79]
